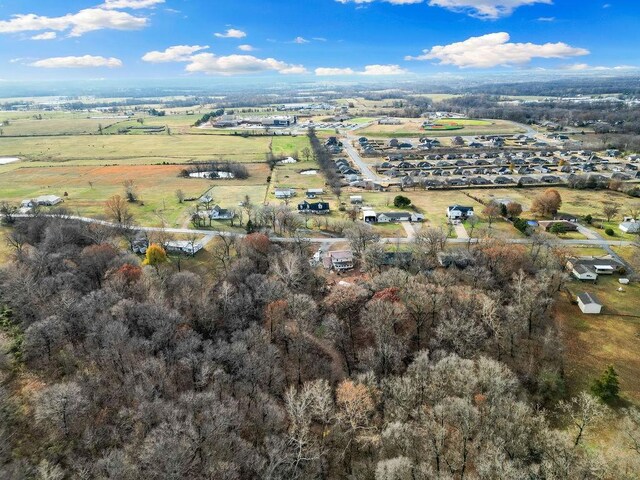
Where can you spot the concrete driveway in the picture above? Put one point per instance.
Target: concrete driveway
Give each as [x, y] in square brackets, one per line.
[409, 229]
[461, 232]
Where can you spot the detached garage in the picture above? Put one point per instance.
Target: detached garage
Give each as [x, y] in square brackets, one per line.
[589, 303]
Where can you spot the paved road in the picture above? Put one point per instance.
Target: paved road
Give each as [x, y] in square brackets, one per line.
[213, 233]
[367, 172]
[595, 236]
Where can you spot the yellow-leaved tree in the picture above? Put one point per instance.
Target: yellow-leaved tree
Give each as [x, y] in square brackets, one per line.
[155, 256]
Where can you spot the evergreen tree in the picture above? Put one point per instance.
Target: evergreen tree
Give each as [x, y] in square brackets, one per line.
[607, 386]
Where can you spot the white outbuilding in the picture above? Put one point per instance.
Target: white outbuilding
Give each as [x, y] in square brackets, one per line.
[589, 303]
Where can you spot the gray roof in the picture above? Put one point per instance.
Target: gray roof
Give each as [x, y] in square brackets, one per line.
[582, 269]
[593, 261]
[589, 298]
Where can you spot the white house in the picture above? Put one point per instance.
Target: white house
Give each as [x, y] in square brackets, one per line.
[388, 217]
[45, 200]
[630, 227]
[456, 212]
[183, 246]
[284, 193]
[218, 213]
[583, 272]
[287, 160]
[589, 303]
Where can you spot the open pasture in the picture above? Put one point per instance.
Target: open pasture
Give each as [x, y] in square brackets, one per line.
[51, 123]
[173, 148]
[89, 187]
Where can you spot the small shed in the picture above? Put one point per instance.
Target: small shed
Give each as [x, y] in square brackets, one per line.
[589, 303]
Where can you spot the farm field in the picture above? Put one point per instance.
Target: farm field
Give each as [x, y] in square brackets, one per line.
[595, 341]
[51, 123]
[412, 127]
[289, 145]
[156, 186]
[174, 148]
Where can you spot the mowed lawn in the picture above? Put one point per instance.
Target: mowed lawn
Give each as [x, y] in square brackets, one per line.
[595, 341]
[89, 187]
[173, 148]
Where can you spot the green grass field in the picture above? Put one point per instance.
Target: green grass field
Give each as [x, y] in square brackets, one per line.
[289, 146]
[173, 148]
[594, 341]
[89, 187]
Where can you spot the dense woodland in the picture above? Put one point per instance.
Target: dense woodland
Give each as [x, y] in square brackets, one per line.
[114, 368]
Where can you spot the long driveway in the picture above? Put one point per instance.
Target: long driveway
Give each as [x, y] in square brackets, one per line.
[366, 170]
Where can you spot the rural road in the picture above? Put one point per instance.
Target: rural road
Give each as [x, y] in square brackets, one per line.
[601, 242]
[367, 172]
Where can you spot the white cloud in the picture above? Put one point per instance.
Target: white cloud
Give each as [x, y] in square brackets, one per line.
[368, 70]
[211, 64]
[328, 71]
[300, 40]
[547, 19]
[384, 70]
[495, 49]
[45, 36]
[485, 9]
[87, 20]
[585, 66]
[133, 4]
[231, 33]
[177, 53]
[246, 48]
[87, 61]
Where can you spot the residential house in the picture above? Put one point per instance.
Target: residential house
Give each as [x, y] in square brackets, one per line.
[287, 160]
[183, 246]
[317, 208]
[460, 258]
[284, 193]
[388, 217]
[632, 226]
[604, 265]
[589, 303]
[548, 225]
[584, 272]
[218, 213]
[42, 200]
[339, 260]
[458, 212]
[314, 192]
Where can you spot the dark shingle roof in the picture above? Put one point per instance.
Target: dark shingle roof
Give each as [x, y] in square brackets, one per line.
[588, 298]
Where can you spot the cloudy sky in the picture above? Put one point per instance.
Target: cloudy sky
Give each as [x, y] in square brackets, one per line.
[314, 38]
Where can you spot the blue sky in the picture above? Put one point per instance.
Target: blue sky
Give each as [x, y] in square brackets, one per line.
[329, 39]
